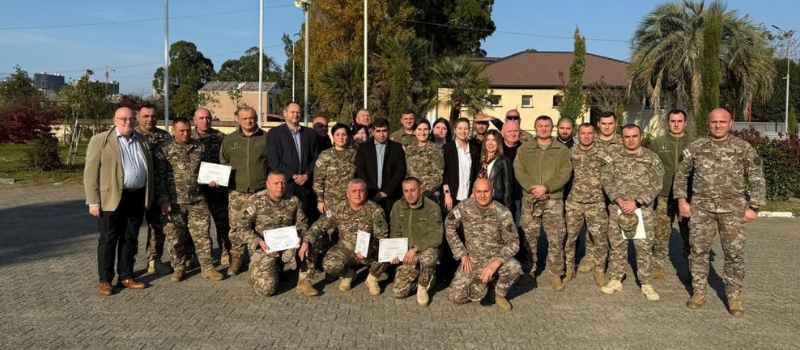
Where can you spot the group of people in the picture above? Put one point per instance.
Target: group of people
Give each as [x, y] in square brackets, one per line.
[466, 202]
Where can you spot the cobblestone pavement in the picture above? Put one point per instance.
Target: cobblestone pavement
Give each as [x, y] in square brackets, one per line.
[49, 299]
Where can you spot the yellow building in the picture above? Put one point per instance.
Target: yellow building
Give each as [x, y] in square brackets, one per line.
[224, 98]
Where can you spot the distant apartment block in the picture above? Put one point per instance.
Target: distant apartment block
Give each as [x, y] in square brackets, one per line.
[49, 83]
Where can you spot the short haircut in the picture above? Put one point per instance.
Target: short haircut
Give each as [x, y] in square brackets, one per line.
[356, 182]
[292, 103]
[632, 126]
[459, 121]
[566, 120]
[147, 105]
[276, 173]
[411, 179]
[338, 126]
[677, 111]
[584, 125]
[247, 109]
[513, 110]
[607, 114]
[361, 110]
[408, 111]
[179, 120]
[381, 123]
[543, 117]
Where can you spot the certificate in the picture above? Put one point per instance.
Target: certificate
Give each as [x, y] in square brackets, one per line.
[213, 172]
[391, 248]
[640, 233]
[281, 239]
[362, 243]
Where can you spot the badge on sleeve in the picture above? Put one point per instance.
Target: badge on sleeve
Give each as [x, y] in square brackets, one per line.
[160, 155]
[457, 214]
[319, 164]
[510, 228]
[328, 213]
[250, 210]
[687, 153]
[757, 161]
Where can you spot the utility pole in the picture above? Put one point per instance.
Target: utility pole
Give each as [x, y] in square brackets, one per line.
[366, 2]
[788, 35]
[166, 65]
[261, 117]
[304, 4]
[293, 100]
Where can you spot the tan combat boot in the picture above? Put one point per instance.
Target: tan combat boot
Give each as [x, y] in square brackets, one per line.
[735, 307]
[372, 284]
[422, 296]
[611, 287]
[658, 273]
[650, 292]
[527, 279]
[697, 301]
[159, 267]
[236, 266]
[251, 281]
[151, 267]
[586, 265]
[225, 259]
[600, 278]
[347, 280]
[502, 303]
[555, 283]
[570, 274]
[304, 287]
[211, 274]
[177, 276]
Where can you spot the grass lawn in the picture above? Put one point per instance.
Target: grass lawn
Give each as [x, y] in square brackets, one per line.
[790, 206]
[14, 165]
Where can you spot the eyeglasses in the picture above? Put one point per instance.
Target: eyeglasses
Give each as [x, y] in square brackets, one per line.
[126, 120]
[482, 123]
[512, 117]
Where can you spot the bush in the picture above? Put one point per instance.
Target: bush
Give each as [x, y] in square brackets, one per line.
[43, 154]
[781, 159]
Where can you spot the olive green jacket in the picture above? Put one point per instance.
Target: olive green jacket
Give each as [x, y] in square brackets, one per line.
[422, 226]
[670, 149]
[247, 157]
[550, 167]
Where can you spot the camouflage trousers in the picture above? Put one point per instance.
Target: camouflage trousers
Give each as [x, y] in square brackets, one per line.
[155, 232]
[195, 219]
[264, 269]
[467, 286]
[554, 227]
[703, 226]
[420, 271]
[666, 211]
[236, 202]
[596, 218]
[218, 206]
[340, 258]
[618, 262]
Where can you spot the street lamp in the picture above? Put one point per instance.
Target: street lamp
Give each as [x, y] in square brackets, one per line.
[304, 4]
[366, 3]
[788, 36]
[261, 117]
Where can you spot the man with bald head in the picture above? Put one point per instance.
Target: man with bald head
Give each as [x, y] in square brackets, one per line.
[487, 251]
[723, 169]
[323, 140]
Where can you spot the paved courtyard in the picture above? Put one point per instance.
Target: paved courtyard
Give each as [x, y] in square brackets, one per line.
[49, 299]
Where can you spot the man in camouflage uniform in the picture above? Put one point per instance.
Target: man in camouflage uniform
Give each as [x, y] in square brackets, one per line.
[632, 179]
[721, 167]
[245, 151]
[356, 214]
[490, 242]
[420, 220]
[268, 210]
[182, 201]
[586, 203]
[217, 197]
[405, 136]
[670, 149]
[543, 168]
[147, 120]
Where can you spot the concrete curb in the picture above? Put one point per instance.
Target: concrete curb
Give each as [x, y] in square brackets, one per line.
[778, 214]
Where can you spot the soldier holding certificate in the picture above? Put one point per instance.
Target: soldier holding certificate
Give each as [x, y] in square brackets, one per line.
[268, 210]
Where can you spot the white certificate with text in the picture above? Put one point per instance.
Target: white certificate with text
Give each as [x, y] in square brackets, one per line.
[280, 239]
[640, 233]
[214, 172]
[391, 248]
[362, 243]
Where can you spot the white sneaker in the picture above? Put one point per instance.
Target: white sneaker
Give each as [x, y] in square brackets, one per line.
[650, 292]
[611, 287]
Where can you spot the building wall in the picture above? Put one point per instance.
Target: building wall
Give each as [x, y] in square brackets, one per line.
[224, 109]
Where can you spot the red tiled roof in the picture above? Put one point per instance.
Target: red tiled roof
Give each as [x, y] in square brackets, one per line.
[540, 70]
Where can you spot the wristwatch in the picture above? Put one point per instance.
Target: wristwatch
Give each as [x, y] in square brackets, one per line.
[755, 209]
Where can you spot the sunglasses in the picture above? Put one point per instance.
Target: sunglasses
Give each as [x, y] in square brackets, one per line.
[512, 117]
[482, 123]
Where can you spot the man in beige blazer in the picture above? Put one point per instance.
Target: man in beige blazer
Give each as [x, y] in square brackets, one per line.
[118, 180]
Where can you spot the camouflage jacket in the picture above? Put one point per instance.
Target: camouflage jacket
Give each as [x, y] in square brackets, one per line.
[212, 140]
[261, 213]
[586, 166]
[426, 164]
[720, 174]
[612, 145]
[370, 218]
[177, 166]
[633, 176]
[155, 137]
[489, 234]
[334, 169]
[402, 138]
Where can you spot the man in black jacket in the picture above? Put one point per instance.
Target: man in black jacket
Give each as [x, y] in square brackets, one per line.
[291, 149]
[382, 165]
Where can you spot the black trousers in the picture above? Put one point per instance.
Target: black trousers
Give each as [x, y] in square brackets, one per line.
[119, 236]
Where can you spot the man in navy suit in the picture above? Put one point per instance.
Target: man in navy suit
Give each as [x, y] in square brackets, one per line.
[381, 163]
[291, 149]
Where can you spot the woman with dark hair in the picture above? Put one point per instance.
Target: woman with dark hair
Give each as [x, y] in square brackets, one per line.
[359, 134]
[334, 169]
[496, 167]
[441, 132]
[425, 161]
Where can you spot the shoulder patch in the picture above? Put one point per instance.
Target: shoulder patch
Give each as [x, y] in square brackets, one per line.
[160, 155]
[451, 216]
[328, 213]
[510, 228]
[608, 159]
[250, 210]
[687, 153]
[757, 161]
[319, 164]
[456, 213]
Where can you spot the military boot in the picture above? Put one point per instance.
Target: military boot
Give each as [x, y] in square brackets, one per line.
[735, 307]
[211, 274]
[697, 301]
[422, 296]
[225, 259]
[611, 287]
[159, 267]
[599, 278]
[570, 274]
[650, 292]
[177, 276]
[191, 262]
[304, 287]
[372, 284]
[502, 303]
[151, 267]
[586, 265]
[236, 265]
[251, 281]
[347, 280]
[527, 279]
[658, 273]
[555, 283]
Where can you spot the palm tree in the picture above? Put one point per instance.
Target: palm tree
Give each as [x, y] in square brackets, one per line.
[666, 52]
[405, 59]
[343, 81]
[465, 86]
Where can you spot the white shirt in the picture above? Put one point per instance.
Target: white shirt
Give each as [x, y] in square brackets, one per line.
[134, 169]
[464, 166]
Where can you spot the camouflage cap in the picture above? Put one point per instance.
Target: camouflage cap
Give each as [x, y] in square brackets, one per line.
[477, 290]
[628, 223]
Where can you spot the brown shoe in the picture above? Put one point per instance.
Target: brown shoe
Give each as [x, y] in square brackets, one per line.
[236, 265]
[570, 274]
[106, 289]
[555, 283]
[132, 284]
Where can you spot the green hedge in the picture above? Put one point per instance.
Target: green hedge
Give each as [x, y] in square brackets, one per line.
[781, 159]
